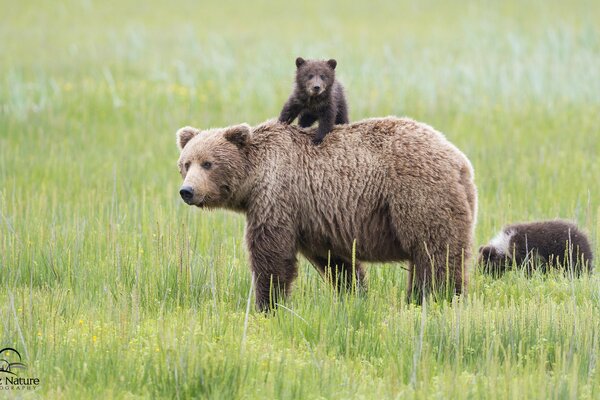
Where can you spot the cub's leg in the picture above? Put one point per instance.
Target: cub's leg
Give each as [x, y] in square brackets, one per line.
[306, 120]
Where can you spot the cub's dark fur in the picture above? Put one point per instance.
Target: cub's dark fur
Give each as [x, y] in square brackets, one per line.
[317, 96]
[554, 242]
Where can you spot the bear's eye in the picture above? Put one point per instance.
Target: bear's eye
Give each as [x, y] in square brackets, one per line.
[206, 165]
[311, 76]
[187, 165]
[323, 77]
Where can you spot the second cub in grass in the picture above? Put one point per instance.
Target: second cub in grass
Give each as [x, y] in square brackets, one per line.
[546, 243]
[317, 96]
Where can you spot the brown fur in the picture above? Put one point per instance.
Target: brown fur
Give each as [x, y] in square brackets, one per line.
[396, 186]
[539, 244]
[317, 96]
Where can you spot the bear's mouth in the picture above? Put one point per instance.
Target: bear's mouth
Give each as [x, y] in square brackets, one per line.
[191, 202]
[316, 92]
[202, 201]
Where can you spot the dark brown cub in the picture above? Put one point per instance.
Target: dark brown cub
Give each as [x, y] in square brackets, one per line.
[317, 96]
[550, 243]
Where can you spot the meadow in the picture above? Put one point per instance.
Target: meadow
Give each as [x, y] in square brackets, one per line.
[111, 287]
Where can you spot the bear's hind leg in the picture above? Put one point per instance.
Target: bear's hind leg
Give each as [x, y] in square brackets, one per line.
[440, 272]
[340, 272]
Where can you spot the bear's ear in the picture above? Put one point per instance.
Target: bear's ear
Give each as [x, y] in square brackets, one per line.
[299, 62]
[184, 135]
[332, 63]
[238, 134]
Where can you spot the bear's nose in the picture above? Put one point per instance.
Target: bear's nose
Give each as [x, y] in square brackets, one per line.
[187, 193]
[316, 87]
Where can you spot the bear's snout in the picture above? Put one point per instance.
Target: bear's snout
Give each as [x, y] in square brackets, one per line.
[316, 89]
[187, 194]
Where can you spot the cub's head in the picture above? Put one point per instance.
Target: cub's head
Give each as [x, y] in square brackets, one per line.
[493, 262]
[314, 77]
[213, 164]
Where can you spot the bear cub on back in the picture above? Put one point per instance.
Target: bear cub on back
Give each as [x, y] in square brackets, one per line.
[317, 96]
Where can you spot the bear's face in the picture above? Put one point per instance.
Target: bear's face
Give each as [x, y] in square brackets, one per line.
[492, 261]
[213, 164]
[314, 77]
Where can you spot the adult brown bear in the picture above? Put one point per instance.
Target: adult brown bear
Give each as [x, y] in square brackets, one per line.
[394, 186]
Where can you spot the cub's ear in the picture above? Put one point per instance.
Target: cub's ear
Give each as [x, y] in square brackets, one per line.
[332, 63]
[238, 134]
[299, 62]
[184, 135]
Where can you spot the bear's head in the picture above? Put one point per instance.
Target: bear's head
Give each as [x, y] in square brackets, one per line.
[314, 77]
[213, 164]
[493, 261]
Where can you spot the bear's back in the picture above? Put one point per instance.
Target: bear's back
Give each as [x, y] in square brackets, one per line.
[343, 189]
[368, 152]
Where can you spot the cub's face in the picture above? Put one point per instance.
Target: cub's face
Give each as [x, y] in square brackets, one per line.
[492, 261]
[315, 77]
[212, 164]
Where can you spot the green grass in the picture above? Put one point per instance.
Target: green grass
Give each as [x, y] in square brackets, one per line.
[112, 288]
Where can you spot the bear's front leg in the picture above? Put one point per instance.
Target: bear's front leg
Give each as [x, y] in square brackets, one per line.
[290, 110]
[273, 263]
[438, 270]
[325, 125]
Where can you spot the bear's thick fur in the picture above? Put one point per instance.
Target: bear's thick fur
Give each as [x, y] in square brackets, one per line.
[395, 186]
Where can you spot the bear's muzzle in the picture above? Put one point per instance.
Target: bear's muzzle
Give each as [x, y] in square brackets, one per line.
[187, 194]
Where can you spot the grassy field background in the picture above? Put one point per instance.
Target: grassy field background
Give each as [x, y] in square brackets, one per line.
[111, 287]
